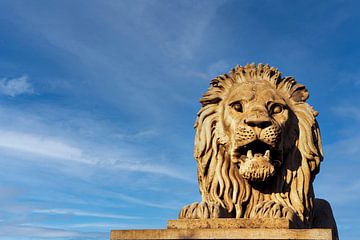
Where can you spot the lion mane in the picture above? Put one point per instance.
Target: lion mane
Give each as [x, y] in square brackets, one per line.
[219, 178]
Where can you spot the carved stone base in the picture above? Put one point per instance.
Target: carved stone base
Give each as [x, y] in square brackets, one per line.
[243, 233]
[226, 223]
[225, 229]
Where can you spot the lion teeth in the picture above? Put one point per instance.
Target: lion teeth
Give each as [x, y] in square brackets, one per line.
[267, 153]
[249, 153]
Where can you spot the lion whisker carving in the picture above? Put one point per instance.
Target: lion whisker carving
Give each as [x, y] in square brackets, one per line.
[258, 148]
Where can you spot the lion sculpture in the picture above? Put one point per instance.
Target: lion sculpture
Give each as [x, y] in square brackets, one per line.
[258, 149]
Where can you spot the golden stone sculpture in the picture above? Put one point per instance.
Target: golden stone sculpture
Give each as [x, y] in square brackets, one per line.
[258, 149]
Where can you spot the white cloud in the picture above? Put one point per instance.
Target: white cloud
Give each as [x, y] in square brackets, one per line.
[337, 178]
[142, 202]
[140, 135]
[109, 226]
[341, 162]
[83, 213]
[152, 168]
[15, 86]
[214, 69]
[190, 35]
[348, 148]
[59, 149]
[39, 232]
[348, 112]
[39, 145]
[7, 193]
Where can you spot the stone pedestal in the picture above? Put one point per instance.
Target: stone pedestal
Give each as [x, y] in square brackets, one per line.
[225, 229]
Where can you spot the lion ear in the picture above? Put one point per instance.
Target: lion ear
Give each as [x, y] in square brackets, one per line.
[299, 93]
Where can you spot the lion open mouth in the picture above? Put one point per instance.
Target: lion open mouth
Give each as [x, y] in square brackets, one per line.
[257, 160]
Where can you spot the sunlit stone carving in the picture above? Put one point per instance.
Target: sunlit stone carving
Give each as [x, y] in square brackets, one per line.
[258, 149]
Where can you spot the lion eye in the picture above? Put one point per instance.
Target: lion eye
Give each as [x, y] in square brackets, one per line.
[277, 108]
[237, 106]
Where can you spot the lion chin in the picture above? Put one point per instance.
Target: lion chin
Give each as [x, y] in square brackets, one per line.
[258, 149]
[257, 167]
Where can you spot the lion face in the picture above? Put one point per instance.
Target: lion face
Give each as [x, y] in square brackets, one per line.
[254, 121]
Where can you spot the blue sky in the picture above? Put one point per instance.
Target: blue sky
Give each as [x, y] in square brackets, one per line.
[98, 100]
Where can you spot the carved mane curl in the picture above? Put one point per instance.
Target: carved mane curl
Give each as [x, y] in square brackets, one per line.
[219, 179]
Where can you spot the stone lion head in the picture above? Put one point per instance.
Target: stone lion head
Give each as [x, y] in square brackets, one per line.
[257, 146]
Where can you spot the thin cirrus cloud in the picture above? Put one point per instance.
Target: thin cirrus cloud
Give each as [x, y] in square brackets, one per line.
[83, 213]
[110, 225]
[38, 232]
[39, 145]
[59, 149]
[15, 86]
[35, 232]
[28, 135]
[138, 201]
[348, 111]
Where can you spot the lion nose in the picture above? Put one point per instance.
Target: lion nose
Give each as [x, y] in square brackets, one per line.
[258, 121]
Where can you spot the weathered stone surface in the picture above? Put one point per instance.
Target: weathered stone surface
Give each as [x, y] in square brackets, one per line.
[226, 223]
[258, 149]
[243, 233]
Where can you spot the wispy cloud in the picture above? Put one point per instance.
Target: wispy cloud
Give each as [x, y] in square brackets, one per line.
[83, 213]
[348, 111]
[59, 149]
[108, 225]
[38, 232]
[7, 193]
[140, 135]
[214, 69]
[341, 158]
[15, 86]
[185, 41]
[151, 168]
[40, 145]
[348, 148]
[142, 202]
